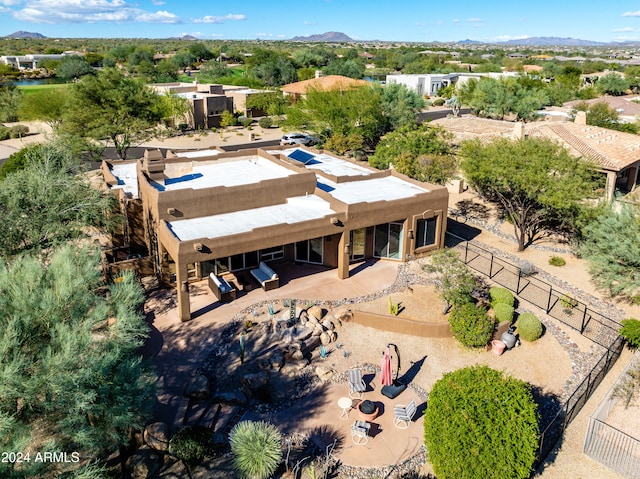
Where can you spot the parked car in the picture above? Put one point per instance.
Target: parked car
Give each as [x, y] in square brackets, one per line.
[298, 139]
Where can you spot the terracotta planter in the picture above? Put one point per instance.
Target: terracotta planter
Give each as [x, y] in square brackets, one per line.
[367, 417]
[497, 347]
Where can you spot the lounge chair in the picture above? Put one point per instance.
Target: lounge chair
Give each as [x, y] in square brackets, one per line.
[356, 383]
[403, 415]
[360, 432]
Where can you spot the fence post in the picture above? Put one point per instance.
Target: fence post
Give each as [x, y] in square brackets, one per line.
[549, 300]
[466, 251]
[518, 286]
[491, 267]
[584, 319]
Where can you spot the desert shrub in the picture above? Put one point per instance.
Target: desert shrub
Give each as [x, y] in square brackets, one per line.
[471, 325]
[438, 102]
[631, 331]
[557, 261]
[481, 423]
[265, 122]
[256, 448]
[501, 295]
[529, 326]
[191, 444]
[503, 312]
[246, 122]
[4, 132]
[18, 131]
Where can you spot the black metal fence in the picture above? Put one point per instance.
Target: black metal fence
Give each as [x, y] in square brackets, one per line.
[559, 305]
[613, 448]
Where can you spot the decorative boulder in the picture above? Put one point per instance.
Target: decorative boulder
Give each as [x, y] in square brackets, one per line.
[325, 339]
[198, 388]
[144, 464]
[311, 343]
[233, 398]
[327, 323]
[254, 381]
[333, 336]
[156, 436]
[315, 312]
[324, 373]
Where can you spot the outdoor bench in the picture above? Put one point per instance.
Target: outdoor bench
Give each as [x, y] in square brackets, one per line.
[267, 278]
[221, 288]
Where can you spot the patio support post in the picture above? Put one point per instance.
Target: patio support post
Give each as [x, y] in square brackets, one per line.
[182, 285]
[633, 178]
[612, 177]
[343, 255]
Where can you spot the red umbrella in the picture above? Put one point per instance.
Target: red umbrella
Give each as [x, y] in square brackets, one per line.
[385, 376]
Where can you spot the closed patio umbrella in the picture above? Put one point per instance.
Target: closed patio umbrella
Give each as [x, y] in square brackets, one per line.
[385, 376]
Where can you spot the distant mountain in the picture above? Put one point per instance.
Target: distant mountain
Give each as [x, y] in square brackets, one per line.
[324, 37]
[22, 34]
[467, 41]
[553, 41]
[185, 37]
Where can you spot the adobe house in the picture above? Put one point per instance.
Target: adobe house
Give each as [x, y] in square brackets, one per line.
[225, 212]
[322, 83]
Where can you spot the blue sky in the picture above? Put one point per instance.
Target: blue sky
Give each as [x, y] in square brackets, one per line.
[418, 21]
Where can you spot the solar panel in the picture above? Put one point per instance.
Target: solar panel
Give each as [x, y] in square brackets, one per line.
[303, 157]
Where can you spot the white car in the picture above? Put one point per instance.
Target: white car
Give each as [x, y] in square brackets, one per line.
[297, 139]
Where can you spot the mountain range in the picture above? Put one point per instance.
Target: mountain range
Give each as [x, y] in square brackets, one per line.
[328, 37]
[21, 34]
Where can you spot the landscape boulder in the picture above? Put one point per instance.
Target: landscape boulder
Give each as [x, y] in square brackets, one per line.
[156, 436]
[198, 388]
[144, 463]
[324, 373]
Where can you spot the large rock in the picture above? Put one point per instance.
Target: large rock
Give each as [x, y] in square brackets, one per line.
[315, 312]
[293, 367]
[301, 333]
[325, 339]
[254, 381]
[144, 463]
[156, 436]
[324, 373]
[310, 344]
[327, 323]
[198, 388]
[233, 398]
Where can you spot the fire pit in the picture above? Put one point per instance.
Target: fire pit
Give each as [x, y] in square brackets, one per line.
[367, 410]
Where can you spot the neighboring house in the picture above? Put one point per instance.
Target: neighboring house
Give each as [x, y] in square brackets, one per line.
[322, 83]
[431, 83]
[627, 107]
[224, 213]
[614, 153]
[30, 62]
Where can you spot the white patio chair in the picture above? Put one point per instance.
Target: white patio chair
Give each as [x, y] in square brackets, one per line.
[356, 383]
[360, 433]
[404, 414]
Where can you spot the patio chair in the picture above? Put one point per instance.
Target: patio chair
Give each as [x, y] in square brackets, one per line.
[404, 414]
[356, 383]
[360, 433]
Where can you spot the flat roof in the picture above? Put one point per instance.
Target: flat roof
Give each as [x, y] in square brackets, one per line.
[127, 178]
[296, 210]
[388, 188]
[225, 172]
[330, 165]
[198, 153]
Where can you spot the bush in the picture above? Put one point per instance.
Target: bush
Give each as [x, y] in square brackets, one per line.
[529, 327]
[631, 331]
[18, 131]
[265, 122]
[490, 417]
[438, 102]
[557, 261]
[503, 312]
[501, 295]
[471, 325]
[4, 132]
[191, 444]
[256, 448]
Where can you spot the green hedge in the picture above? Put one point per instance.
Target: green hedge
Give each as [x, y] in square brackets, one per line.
[503, 312]
[529, 327]
[501, 295]
[471, 325]
[631, 331]
[191, 444]
[481, 423]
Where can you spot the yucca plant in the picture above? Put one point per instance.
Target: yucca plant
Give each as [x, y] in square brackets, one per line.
[256, 448]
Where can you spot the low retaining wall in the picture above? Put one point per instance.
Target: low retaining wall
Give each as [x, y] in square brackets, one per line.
[393, 324]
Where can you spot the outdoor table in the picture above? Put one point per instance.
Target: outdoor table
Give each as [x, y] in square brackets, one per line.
[345, 403]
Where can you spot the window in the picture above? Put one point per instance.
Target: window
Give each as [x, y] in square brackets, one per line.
[357, 240]
[426, 232]
[244, 261]
[271, 254]
[387, 241]
[309, 251]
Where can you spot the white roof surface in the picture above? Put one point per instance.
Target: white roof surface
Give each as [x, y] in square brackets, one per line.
[388, 188]
[197, 153]
[329, 164]
[295, 210]
[127, 178]
[241, 171]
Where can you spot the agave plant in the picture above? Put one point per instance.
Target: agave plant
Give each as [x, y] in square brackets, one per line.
[256, 448]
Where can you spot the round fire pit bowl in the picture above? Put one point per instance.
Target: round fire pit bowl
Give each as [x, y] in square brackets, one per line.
[367, 410]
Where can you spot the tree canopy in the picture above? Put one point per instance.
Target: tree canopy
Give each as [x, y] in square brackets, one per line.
[602, 115]
[70, 377]
[45, 105]
[46, 202]
[112, 107]
[422, 152]
[481, 423]
[537, 184]
[612, 84]
[612, 249]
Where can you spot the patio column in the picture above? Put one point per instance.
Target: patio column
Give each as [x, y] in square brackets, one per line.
[182, 286]
[633, 178]
[343, 255]
[612, 176]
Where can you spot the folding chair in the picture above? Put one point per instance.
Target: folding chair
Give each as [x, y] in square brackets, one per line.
[356, 383]
[404, 414]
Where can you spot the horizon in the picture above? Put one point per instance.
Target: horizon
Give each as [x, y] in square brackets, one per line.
[410, 21]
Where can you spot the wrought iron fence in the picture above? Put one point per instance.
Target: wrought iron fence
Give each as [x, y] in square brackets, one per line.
[561, 306]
